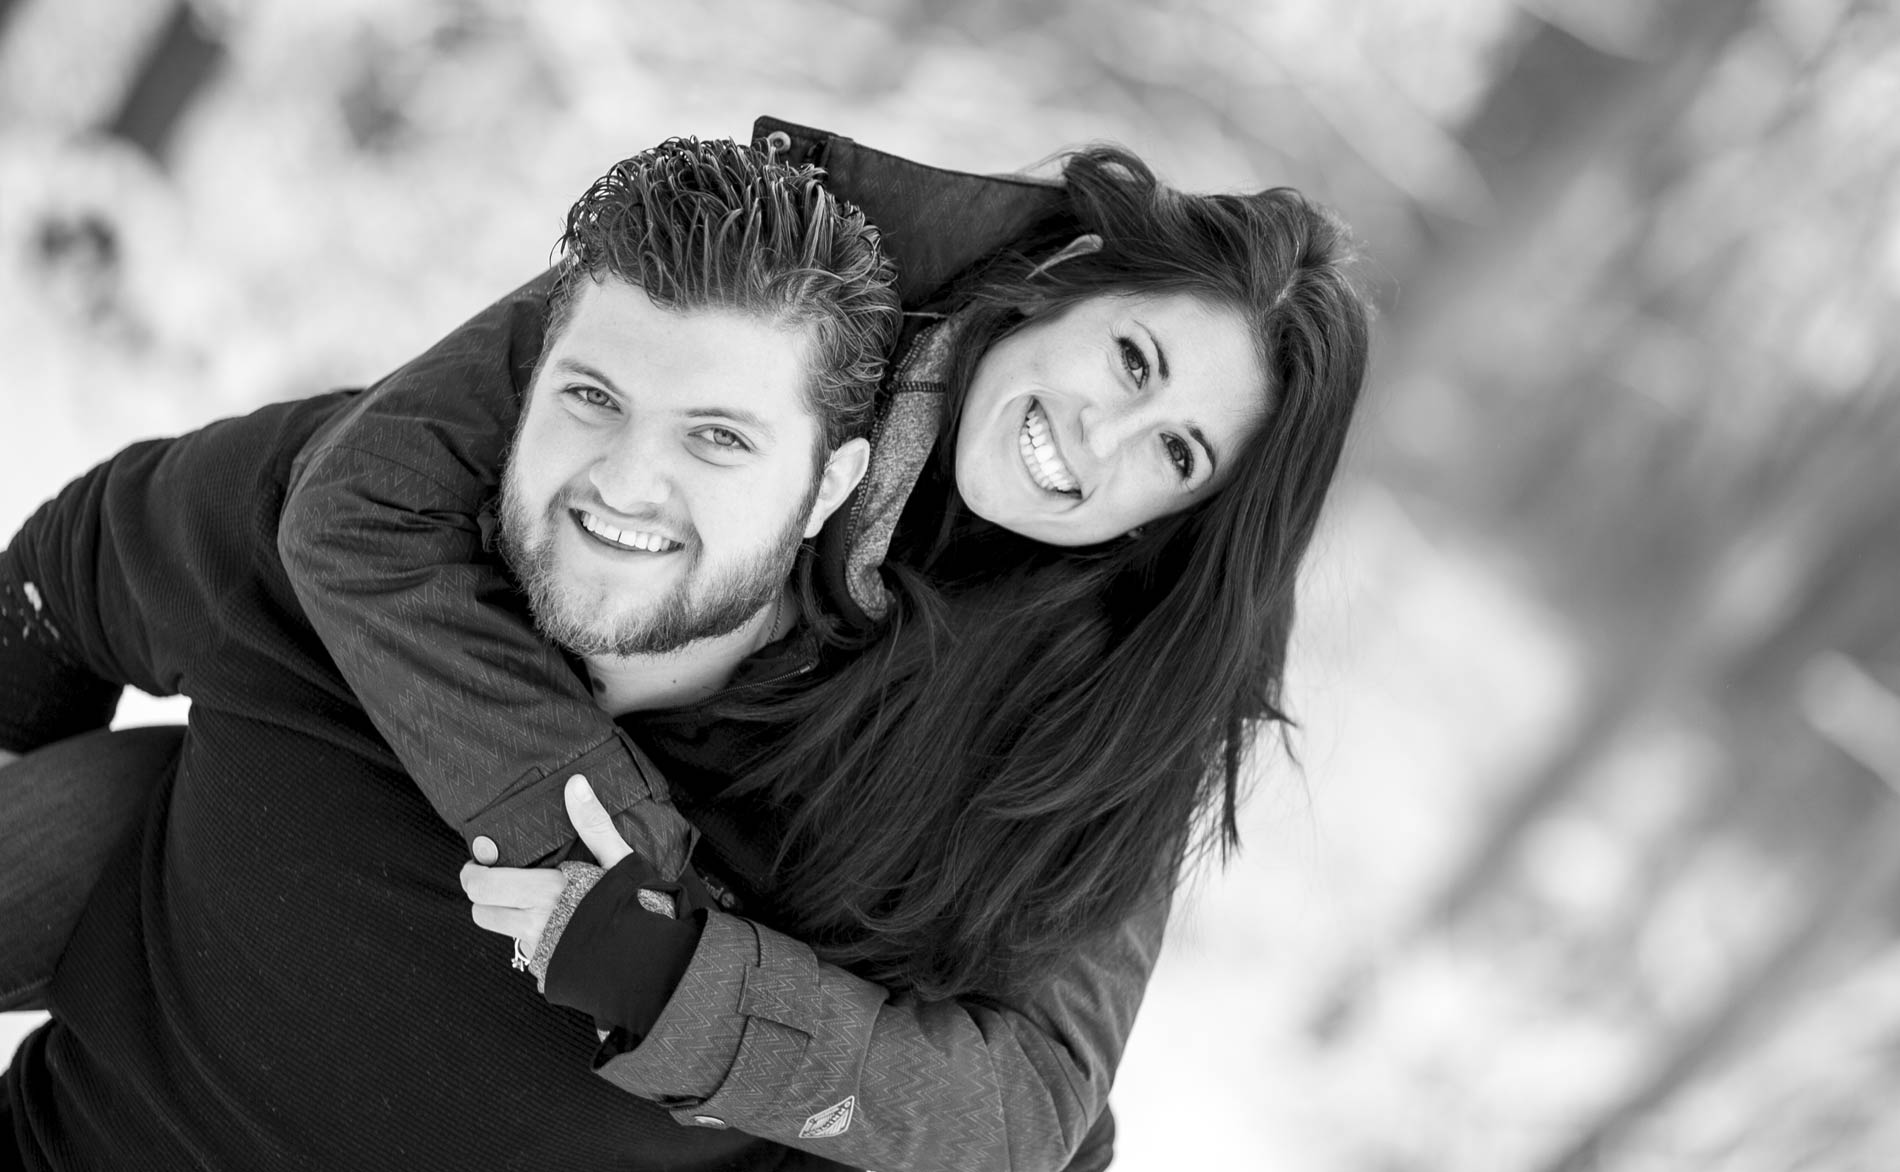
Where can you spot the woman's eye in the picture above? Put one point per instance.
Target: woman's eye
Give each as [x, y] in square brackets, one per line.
[591, 396]
[725, 437]
[1180, 454]
[1134, 361]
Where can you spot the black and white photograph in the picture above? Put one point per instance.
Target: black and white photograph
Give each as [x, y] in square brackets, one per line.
[1304, 586]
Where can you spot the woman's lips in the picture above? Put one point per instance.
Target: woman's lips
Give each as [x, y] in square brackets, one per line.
[1036, 441]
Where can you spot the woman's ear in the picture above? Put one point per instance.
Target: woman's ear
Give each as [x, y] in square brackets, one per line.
[843, 469]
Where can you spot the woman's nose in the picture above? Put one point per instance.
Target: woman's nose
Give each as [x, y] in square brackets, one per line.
[1107, 427]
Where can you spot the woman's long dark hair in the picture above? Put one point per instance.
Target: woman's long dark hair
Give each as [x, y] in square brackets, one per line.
[1042, 736]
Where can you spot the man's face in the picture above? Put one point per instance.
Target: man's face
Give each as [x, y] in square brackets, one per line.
[663, 473]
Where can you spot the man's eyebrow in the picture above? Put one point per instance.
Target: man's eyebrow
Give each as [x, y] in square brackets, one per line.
[576, 366]
[738, 415]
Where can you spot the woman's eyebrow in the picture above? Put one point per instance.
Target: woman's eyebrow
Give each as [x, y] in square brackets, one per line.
[1200, 437]
[1161, 355]
[1193, 429]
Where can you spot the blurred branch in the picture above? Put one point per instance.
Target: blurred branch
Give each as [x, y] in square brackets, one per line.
[1377, 121]
[1852, 710]
[1855, 712]
[175, 71]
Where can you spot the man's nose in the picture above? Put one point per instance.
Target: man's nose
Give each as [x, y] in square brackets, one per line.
[633, 472]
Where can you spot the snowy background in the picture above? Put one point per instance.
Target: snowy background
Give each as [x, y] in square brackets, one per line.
[1590, 858]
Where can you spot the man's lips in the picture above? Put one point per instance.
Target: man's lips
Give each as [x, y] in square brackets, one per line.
[632, 540]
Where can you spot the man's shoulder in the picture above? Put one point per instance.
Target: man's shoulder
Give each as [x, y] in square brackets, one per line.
[175, 490]
[285, 425]
[196, 516]
[255, 450]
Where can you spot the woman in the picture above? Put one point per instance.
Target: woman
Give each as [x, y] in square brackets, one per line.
[1101, 509]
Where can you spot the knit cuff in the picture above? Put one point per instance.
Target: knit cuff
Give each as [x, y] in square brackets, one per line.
[581, 878]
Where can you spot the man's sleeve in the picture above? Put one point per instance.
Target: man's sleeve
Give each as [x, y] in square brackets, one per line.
[383, 543]
[72, 629]
[158, 569]
[762, 1036]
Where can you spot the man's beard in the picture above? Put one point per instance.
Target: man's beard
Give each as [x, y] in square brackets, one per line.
[588, 624]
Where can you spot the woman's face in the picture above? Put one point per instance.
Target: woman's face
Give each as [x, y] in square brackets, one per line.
[1120, 409]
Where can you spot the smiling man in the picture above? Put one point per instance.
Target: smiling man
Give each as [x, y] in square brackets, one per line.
[280, 971]
[687, 428]
[665, 473]
[632, 436]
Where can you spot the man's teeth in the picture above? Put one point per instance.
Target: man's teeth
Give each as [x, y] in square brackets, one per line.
[632, 539]
[1040, 457]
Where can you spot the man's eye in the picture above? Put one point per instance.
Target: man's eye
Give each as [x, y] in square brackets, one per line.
[1180, 454]
[725, 437]
[591, 396]
[1134, 361]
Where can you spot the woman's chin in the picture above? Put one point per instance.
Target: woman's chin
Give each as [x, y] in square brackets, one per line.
[1038, 521]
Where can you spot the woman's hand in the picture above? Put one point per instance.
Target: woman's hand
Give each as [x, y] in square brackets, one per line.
[515, 901]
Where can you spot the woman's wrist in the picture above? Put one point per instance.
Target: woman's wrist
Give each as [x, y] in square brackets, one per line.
[581, 878]
[621, 946]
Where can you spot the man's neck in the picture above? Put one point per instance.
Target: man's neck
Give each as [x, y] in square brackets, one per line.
[633, 683]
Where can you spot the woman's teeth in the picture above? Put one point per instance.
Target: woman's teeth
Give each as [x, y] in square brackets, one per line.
[626, 538]
[1040, 457]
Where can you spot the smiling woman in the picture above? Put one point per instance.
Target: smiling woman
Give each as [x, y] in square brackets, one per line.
[1090, 585]
[1095, 418]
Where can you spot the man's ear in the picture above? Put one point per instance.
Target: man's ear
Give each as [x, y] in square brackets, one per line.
[843, 469]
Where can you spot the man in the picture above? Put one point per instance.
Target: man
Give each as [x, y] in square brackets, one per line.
[283, 973]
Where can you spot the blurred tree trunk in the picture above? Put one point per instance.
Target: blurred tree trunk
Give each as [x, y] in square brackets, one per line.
[1668, 861]
[1720, 610]
[181, 62]
[1867, 874]
[1861, 881]
[1695, 593]
[1562, 111]
[1781, 553]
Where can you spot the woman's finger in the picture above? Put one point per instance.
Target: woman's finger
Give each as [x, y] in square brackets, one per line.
[512, 886]
[524, 925]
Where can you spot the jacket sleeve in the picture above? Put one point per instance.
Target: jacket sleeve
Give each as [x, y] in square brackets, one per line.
[151, 567]
[72, 629]
[382, 538]
[762, 1036]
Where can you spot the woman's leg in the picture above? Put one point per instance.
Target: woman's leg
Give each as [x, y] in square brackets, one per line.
[63, 810]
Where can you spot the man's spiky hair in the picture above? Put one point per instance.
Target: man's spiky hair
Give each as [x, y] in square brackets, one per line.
[719, 225]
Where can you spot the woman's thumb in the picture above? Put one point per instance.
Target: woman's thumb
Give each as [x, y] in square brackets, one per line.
[593, 823]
